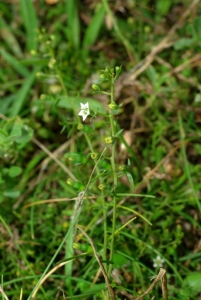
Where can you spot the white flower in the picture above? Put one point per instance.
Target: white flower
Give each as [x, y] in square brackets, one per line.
[158, 262]
[84, 112]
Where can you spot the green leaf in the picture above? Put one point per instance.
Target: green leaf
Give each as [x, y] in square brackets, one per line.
[26, 135]
[73, 29]
[3, 136]
[119, 260]
[119, 132]
[130, 178]
[29, 20]
[15, 133]
[192, 282]
[163, 6]
[10, 39]
[153, 76]
[183, 43]
[14, 171]
[11, 60]
[93, 29]
[20, 97]
[197, 25]
[66, 102]
[12, 194]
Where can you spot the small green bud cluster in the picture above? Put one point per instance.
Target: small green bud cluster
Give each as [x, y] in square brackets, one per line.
[43, 97]
[52, 63]
[33, 52]
[107, 75]
[122, 168]
[94, 155]
[113, 106]
[101, 186]
[80, 126]
[108, 140]
[96, 87]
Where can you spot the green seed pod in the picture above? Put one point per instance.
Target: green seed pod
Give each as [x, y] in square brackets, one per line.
[80, 126]
[113, 106]
[96, 87]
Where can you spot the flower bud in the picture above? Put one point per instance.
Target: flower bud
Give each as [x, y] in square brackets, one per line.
[52, 63]
[113, 106]
[108, 140]
[80, 126]
[52, 37]
[122, 168]
[42, 97]
[94, 155]
[33, 52]
[101, 186]
[95, 87]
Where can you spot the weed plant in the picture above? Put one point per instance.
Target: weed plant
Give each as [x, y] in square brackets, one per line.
[100, 170]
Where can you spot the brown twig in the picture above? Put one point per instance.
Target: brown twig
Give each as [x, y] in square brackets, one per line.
[110, 289]
[159, 277]
[164, 287]
[3, 294]
[66, 170]
[165, 43]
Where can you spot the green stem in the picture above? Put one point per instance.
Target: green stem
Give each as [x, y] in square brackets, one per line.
[104, 255]
[113, 131]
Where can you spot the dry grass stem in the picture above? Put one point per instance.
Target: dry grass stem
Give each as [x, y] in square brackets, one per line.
[158, 278]
[66, 170]
[3, 294]
[110, 289]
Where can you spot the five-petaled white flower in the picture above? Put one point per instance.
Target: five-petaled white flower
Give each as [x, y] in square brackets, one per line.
[84, 112]
[158, 262]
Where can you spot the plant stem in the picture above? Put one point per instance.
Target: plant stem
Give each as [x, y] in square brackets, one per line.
[113, 131]
[104, 255]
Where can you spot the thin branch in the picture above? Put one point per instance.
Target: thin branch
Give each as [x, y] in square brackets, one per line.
[110, 289]
[3, 294]
[154, 283]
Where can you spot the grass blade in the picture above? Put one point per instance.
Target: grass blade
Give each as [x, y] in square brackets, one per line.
[10, 38]
[73, 28]
[22, 94]
[93, 30]
[29, 18]
[22, 70]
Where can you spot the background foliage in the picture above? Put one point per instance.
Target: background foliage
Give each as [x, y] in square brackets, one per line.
[51, 54]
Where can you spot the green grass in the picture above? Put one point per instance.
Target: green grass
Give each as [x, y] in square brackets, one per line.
[142, 193]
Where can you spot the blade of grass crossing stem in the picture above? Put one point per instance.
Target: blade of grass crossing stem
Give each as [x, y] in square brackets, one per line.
[30, 22]
[22, 94]
[51, 261]
[69, 246]
[66, 238]
[11, 60]
[73, 23]
[186, 163]
[92, 30]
